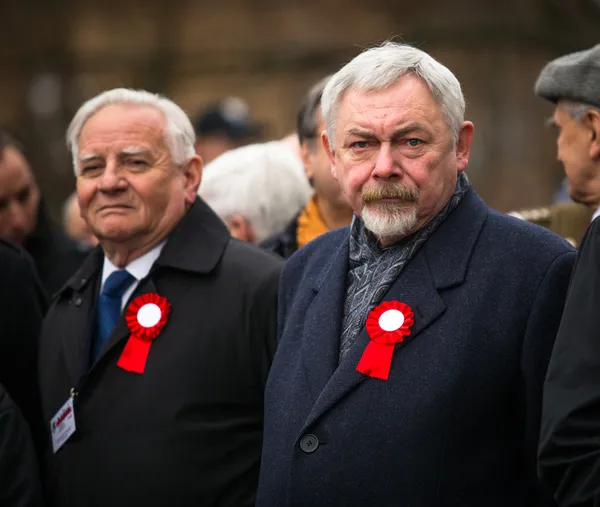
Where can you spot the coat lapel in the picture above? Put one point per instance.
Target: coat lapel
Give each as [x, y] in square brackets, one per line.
[323, 322]
[414, 287]
[441, 263]
[196, 245]
[80, 291]
[81, 329]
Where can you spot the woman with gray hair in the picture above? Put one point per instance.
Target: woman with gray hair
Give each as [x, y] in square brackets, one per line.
[256, 189]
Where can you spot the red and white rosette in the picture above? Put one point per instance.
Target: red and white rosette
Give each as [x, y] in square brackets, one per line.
[146, 316]
[387, 324]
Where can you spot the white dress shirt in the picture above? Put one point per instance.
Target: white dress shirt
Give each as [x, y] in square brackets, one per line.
[138, 268]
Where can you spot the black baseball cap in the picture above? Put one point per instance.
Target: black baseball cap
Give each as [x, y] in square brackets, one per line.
[230, 117]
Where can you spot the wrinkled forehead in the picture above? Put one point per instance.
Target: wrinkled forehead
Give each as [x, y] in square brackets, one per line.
[404, 92]
[120, 125]
[406, 101]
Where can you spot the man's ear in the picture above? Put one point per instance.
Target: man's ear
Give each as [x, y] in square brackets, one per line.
[463, 146]
[193, 175]
[592, 122]
[330, 153]
[241, 229]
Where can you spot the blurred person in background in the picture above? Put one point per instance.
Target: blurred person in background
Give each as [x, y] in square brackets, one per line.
[569, 457]
[161, 343]
[576, 116]
[75, 226]
[22, 307]
[256, 189]
[25, 221]
[577, 201]
[20, 484]
[328, 208]
[292, 142]
[223, 126]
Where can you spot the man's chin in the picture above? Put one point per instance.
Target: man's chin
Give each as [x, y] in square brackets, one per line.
[114, 235]
[589, 200]
[389, 227]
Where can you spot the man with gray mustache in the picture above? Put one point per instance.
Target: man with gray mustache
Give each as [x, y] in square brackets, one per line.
[395, 209]
[412, 345]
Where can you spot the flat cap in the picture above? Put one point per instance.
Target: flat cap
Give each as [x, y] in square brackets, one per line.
[574, 77]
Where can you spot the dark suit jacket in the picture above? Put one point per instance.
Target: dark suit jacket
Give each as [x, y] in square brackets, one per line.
[457, 422]
[187, 432]
[19, 473]
[570, 436]
[22, 307]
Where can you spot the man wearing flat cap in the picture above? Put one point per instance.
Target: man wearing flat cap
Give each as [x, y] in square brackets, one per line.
[569, 457]
[572, 82]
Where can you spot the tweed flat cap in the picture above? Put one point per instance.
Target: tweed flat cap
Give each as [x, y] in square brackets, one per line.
[575, 77]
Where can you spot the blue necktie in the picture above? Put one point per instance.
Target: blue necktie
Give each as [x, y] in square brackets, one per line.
[109, 307]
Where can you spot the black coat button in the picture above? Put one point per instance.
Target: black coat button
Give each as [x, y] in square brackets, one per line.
[309, 443]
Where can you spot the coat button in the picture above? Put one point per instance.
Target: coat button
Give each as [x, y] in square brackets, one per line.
[309, 443]
[78, 301]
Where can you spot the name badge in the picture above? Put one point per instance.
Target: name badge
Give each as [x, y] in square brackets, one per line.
[62, 425]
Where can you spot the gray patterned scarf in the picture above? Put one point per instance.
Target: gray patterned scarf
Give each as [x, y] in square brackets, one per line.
[373, 268]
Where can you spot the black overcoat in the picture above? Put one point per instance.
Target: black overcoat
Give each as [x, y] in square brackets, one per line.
[22, 307]
[457, 422]
[570, 436]
[19, 474]
[188, 430]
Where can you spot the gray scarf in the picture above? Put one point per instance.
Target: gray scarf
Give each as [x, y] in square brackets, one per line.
[373, 268]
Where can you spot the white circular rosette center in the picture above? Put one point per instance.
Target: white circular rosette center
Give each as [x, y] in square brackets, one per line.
[149, 315]
[391, 320]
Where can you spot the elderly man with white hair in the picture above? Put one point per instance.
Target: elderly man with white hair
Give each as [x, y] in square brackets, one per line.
[413, 344]
[155, 354]
[256, 189]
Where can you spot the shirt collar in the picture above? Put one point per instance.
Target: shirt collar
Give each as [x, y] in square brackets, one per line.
[138, 268]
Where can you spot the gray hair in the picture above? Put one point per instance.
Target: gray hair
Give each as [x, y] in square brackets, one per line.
[576, 110]
[265, 183]
[179, 133]
[306, 119]
[379, 67]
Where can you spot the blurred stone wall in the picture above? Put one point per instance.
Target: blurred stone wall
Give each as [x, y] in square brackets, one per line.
[56, 54]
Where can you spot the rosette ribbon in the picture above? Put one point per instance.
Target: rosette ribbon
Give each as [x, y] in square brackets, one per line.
[146, 316]
[387, 324]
